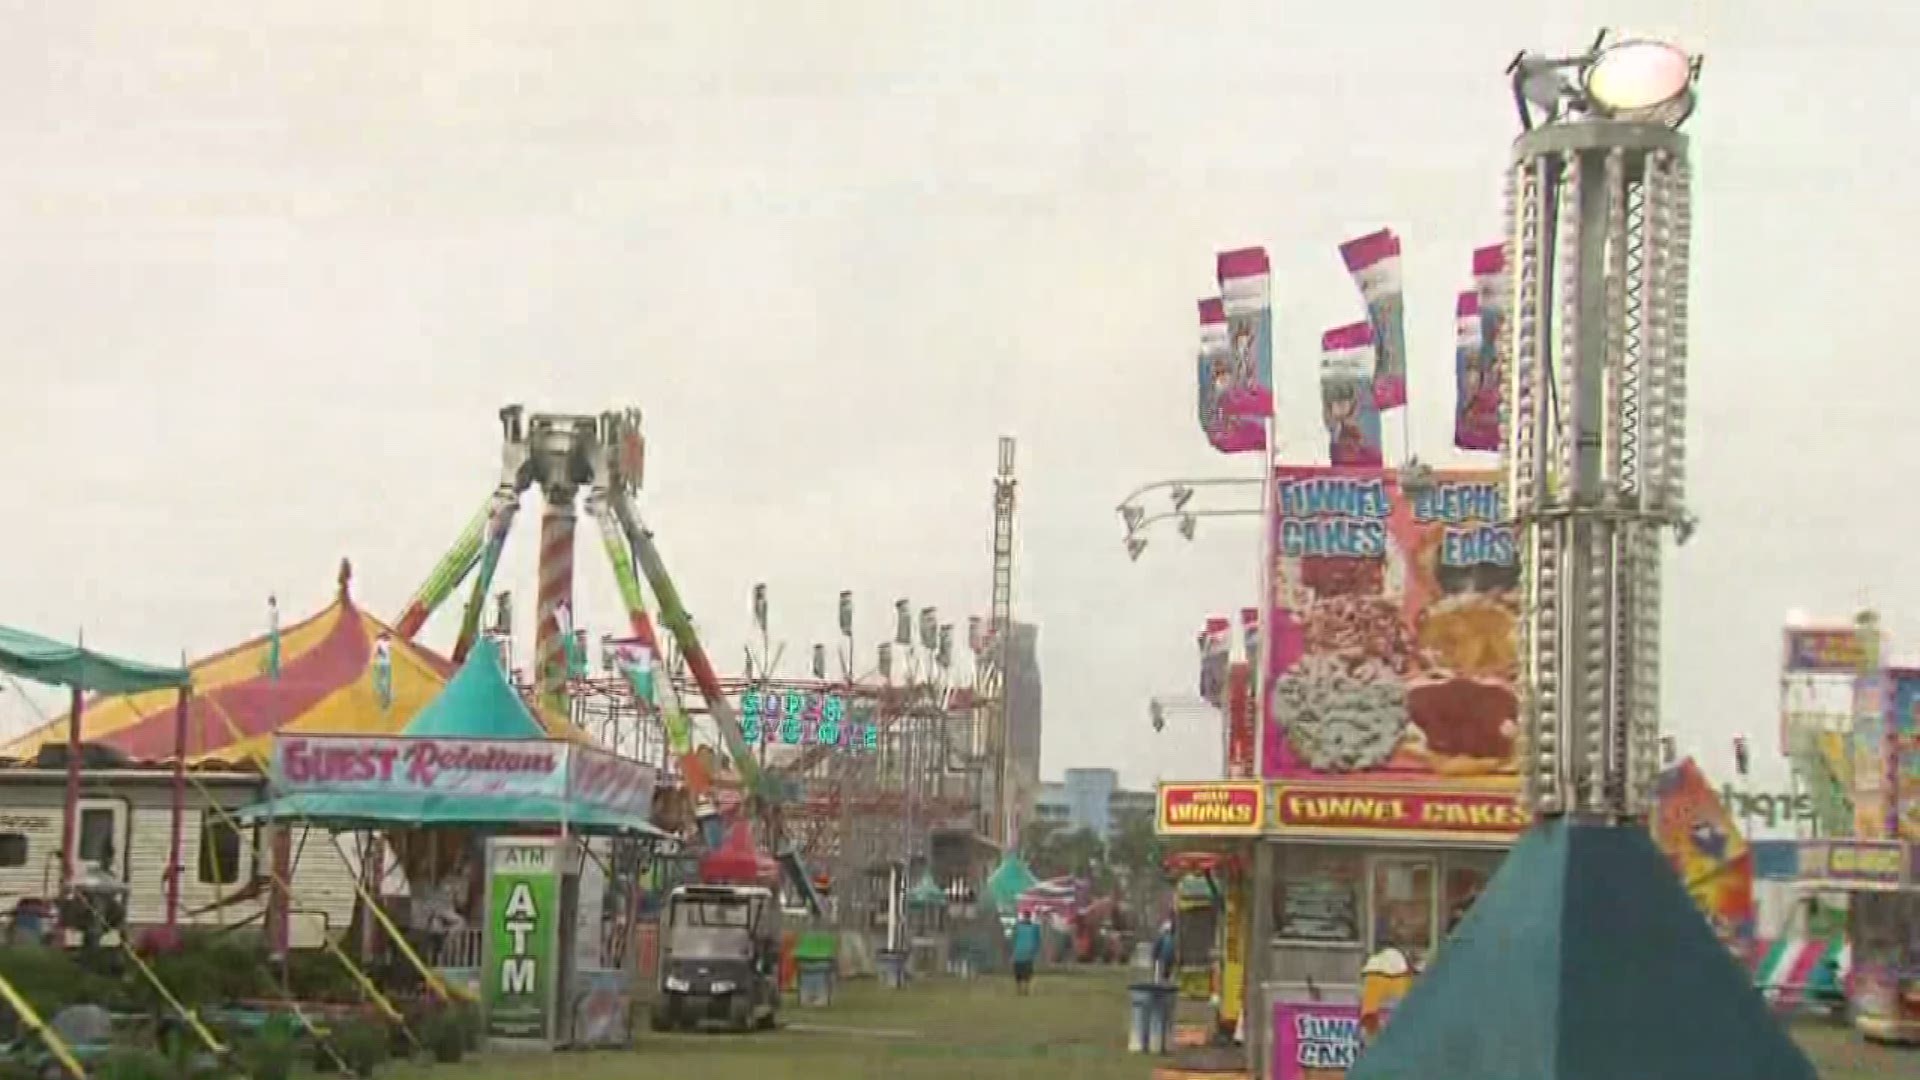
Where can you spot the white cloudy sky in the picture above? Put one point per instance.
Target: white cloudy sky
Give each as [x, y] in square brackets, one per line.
[267, 270]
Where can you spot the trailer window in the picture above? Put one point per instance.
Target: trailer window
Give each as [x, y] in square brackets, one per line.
[96, 838]
[13, 849]
[219, 850]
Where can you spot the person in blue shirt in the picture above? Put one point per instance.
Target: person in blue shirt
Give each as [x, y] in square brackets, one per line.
[1163, 953]
[1026, 948]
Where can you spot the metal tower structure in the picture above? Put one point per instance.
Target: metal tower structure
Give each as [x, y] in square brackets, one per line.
[1001, 808]
[1598, 229]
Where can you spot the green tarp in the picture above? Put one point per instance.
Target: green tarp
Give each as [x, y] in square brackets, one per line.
[1584, 959]
[477, 703]
[56, 663]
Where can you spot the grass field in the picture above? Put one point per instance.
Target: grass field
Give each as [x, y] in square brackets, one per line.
[1072, 1028]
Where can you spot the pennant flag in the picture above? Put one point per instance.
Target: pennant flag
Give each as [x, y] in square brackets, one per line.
[1347, 402]
[383, 670]
[1214, 642]
[1476, 412]
[1491, 290]
[1227, 433]
[270, 663]
[1246, 299]
[1374, 262]
[636, 662]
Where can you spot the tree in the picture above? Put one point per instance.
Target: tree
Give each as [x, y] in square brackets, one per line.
[1137, 854]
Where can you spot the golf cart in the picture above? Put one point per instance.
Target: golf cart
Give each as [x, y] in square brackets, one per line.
[719, 958]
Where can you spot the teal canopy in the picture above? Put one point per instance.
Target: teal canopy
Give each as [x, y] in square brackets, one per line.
[925, 893]
[56, 663]
[477, 703]
[378, 810]
[1584, 959]
[1008, 881]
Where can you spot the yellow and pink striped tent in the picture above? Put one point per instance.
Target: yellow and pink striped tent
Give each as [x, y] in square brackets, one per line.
[325, 683]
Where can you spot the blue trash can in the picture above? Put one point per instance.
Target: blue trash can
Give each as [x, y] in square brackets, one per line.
[893, 968]
[1151, 1029]
[816, 983]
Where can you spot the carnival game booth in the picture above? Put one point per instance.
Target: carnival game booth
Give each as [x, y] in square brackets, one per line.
[516, 851]
[1878, 881]
[1216, 824]
[1389, 744]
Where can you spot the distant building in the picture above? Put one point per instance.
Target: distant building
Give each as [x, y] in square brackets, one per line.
[1090, 799]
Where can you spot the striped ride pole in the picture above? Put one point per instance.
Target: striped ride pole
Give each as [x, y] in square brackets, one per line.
[556, 601]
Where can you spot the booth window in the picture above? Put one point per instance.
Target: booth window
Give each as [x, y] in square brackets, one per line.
[1403, 905]
[1317, 898]
[220, 850]
[13, 850]
[1466, 878]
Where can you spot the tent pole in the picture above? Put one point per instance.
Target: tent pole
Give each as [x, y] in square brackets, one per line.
[179, 810]
[70, 820]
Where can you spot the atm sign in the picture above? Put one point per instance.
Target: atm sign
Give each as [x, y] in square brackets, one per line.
[1209, 809]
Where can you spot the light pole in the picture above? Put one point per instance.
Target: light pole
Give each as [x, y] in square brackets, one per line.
[1180, 492]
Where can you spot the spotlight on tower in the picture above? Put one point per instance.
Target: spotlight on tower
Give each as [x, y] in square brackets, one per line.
[1648, 81]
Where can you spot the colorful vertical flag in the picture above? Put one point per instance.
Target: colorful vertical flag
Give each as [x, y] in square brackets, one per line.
[1476, 410]
[270, 664]
[1250, 632]
[1374, 262]
[1491, 291]
[383, 670]
[1347, 403]
[636, 662]
[1246, 299]
[1214, 642]
[1227, 433]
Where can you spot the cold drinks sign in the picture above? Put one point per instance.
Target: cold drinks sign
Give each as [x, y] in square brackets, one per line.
[1208, 809]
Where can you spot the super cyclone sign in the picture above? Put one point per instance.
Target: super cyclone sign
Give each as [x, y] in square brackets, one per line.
[376, 764]
[800, 719]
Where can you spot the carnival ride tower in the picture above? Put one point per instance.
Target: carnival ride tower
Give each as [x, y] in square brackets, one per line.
[603, 456]
[1585, 959]
[1598, 226]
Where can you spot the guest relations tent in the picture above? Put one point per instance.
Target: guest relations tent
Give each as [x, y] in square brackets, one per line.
[474, 756]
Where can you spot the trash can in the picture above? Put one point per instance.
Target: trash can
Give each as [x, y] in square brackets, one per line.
[893, 968]
[1152, 1017]
[816, 983]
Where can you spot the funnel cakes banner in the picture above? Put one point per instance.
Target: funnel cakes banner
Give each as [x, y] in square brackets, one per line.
[1392, 662]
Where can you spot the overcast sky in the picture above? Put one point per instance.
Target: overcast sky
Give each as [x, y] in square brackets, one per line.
[270, 269]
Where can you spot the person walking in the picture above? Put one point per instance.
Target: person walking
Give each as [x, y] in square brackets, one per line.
[1163, 953]
[1026, 949]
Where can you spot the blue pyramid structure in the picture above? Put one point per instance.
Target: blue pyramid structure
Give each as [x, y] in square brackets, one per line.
[1584, 960]
[477, 703]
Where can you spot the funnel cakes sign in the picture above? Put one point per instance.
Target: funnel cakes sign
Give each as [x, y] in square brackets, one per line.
[1393, 659]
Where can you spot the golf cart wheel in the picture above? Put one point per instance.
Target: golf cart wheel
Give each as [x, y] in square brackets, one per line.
[741, 1010]
[661, 1017]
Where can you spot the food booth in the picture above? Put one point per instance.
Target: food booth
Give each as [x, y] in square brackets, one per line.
[1388, 745]
[1216, 822]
